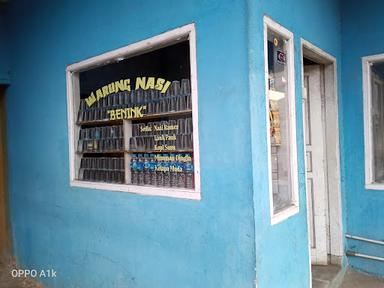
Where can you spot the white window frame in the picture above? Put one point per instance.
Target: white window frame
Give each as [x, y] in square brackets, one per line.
[183, 33]
[367, 61]
[293, 209]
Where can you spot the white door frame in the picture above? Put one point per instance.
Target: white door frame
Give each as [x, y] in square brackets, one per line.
[316, 54]
[315, 154]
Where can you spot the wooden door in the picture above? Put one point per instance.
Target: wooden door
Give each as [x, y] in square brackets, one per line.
[313, 108]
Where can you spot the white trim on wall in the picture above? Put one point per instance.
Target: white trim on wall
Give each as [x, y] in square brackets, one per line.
[294, 207]
[367, 61]
[186, 32]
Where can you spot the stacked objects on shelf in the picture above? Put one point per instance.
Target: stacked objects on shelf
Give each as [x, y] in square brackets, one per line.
[172, 135]
[102, 169]
[176, 98]
[101, 139]
[163, 170]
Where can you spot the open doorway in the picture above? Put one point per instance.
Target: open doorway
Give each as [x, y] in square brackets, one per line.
[321, 138]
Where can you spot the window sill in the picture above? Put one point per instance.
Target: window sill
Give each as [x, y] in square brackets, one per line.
[374, 186]
[285, 214]
[142, 190]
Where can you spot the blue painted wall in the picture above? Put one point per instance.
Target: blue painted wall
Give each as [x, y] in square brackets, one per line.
[362, 35]
[103, 239]
[107, 239]
[282, 250]
[4, 49]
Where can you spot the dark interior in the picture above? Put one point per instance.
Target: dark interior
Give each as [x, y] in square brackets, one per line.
[170, 63]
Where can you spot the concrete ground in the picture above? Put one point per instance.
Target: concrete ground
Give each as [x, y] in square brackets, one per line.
[331, 276]
[353, 279]
[324, 275]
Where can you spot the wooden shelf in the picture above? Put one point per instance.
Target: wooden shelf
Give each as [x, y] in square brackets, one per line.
[101, 152]
[165, 114]
[100, 169]
[145, 117]
[99, 122]
[156, 151]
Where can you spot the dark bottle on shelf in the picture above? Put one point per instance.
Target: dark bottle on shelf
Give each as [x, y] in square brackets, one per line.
[173, 172]
[189, 181]
[122, 177]
[115, 100]
[152, 169]
[139, 96]
[97, 114]
[85, 175]
[159, 172]
[83, 162]
[185, 87]
[133, 96]
[127, 98]
[109, 101]
[91, 114]
[82, 108]
[140, 169]
[147, 172]
[81, 174]
[132, 143]
[181, 174]
[134, 171]
[181, 180]
[163, 104]
[175, 88]
[103, 103]
[186, 93]
[168, 93]
[188, 126]
[145, 97]
[82, 104]
[121, 99]
[181, 126]
[168, 100]
[167, 174]
[135, 128]
[175, 93]
[151, 106]
[155, 95]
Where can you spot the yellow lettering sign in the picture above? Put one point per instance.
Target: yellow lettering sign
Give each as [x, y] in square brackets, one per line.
[150, 83]
[127, 113]
[140, 83]
[144, 83]
[111, 114]
[159, 84]
[90, 100]
[127, 84]
[166, 86]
